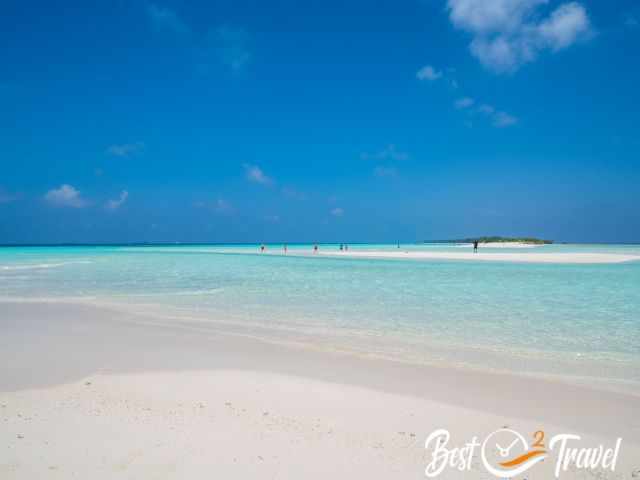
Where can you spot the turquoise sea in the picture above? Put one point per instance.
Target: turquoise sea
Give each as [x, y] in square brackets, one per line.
[578, 322]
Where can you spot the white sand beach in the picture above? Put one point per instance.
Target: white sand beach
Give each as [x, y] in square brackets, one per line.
[96, 393]
[525, 256]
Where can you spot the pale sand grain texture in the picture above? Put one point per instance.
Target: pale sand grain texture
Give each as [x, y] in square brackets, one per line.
[95, 393]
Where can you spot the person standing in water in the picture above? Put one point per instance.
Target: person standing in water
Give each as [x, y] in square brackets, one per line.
[285, 248]
[262, 248]
[315, 248]
[475, 246]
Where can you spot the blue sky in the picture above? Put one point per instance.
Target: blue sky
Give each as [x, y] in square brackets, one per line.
[251, 121]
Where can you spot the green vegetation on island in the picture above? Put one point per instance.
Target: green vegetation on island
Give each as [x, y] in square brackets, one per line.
[497, 239]
[532, 240]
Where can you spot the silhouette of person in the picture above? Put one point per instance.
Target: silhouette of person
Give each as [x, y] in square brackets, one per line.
[475, 246]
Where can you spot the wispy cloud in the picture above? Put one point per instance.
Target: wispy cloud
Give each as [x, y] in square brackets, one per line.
[464, 102]
[6, 197]
[231, 45]
[256, 175]
[509, 33]
[337, 212]
[223, 207]
[290, 192]
[126, 149]
[390, 152]
[382, 171]
[115, 204]
[220, 206]
[165, 19]
[65, 196]
[631, 21]
[428, 73]
[503, 119]
[486, 109]
[272, 218]
[225, 44]
[386, 157]
[498, 119]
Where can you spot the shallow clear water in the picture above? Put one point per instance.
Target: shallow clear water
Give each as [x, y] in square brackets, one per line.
[581, 321]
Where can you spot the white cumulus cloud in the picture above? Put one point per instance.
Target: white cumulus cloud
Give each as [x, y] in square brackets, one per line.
[564, 26]
[509, 33]
[65, 196]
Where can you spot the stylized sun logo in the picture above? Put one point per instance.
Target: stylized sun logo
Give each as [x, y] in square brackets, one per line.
[506, 453]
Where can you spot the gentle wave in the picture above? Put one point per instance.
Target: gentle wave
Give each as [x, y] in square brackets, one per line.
[41, 266]
[184, 293]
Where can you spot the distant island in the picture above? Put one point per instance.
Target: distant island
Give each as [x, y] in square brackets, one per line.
[497, 239]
